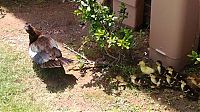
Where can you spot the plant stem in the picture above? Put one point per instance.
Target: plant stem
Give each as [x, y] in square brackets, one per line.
[108, 54]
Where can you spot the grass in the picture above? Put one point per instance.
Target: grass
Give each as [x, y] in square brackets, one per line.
[13, 68]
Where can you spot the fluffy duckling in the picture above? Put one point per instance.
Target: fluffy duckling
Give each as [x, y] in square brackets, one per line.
[155, 80]
[145, 69]
[190, 93]
[140, 80]
[174, 74]
[179, 76]
[120, 80]
[171, 81]
[161, 70]
[135, 79]
[171, 71]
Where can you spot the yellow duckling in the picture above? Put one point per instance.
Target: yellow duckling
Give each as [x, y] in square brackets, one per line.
[145, 69]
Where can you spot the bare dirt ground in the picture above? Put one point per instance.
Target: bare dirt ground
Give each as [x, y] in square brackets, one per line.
[66, 90]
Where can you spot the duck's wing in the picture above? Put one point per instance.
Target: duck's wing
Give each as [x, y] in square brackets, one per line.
[44, 43]
[42, 50]
[37, 55]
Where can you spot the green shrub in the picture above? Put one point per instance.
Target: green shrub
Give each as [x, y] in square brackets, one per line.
[195, 57]
[105, 28]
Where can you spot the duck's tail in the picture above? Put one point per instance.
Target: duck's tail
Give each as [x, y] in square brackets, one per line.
[56, 63]
[51, 64]
[64, 61]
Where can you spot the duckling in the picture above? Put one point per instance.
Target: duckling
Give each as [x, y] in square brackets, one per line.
[140, 80]
[170, 80]
[135, 79]
[179, 76]
[174, 74]
[160, 68]
[120, 82]
[155, 80]
[145, 69]
[190, 93]
[171, 71]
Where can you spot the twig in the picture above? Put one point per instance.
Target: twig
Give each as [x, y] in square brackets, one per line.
[82, 56]
[110, 55]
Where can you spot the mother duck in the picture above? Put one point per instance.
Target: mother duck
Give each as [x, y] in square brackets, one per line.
[43, 50]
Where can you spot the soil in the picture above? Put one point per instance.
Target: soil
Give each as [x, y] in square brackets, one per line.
[91, 92]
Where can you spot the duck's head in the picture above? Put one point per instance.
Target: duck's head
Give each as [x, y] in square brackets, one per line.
[133, 77]
[183, 82]
[152, 76]
[158, 63]
[141, 63]
[29, 29]
[33, 33]
[170, 68]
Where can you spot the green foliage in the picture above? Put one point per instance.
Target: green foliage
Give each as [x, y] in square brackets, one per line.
[195, 57]
[122, 12]
[104, 27]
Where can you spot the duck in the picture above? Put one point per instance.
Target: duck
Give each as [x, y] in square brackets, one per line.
[44, 50]
[145, 69]
[160, 68]
[170, 80]
[140, 80]
[191, 94]
[155, 80]
[174, 74]
[135, 80]
[171, 71]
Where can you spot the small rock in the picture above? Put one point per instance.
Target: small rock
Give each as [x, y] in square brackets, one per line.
[181, 96]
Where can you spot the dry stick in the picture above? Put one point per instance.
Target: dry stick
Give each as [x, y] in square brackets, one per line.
[108, 54]
[82, 56]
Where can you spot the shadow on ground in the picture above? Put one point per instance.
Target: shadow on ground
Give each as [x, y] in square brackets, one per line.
[55, 78]
[52, 17]
[167, 97]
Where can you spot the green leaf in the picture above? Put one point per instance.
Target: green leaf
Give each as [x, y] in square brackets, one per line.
[84, 4]
[81, 65]
[77, 12]
[194, 54]
[88, 8]
[198, 59]
[189, 55]
[196, 62]
[78, 57]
